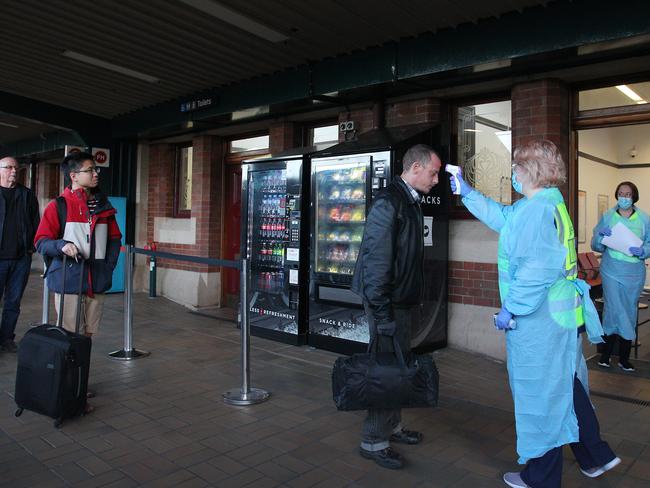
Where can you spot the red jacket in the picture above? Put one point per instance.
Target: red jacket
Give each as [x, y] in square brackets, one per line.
[96, 235]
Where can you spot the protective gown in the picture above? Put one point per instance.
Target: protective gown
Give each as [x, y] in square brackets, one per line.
[623, 276]
[543, 354]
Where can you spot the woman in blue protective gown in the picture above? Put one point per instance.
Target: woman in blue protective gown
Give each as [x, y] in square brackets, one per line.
[540, 292]
[623, 274]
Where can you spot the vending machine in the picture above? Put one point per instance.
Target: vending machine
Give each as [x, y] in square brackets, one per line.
[274, 240]
[344, 180]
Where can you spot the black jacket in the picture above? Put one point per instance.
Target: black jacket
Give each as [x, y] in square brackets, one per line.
[389, 271]
[28, 216]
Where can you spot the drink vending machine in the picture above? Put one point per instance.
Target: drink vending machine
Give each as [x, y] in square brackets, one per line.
[274, 240]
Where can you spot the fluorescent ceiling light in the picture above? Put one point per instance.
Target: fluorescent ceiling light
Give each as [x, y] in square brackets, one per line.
[5, 124]
[472, 130]
[110, 66]
[634, 96]
[221, 12]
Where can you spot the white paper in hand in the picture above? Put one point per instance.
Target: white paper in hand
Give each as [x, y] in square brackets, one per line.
[622, 239]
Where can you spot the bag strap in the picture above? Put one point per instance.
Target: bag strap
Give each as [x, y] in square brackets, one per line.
[59, 321]
[62, 213]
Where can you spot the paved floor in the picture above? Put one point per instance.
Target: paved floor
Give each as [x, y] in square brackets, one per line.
[160, 421]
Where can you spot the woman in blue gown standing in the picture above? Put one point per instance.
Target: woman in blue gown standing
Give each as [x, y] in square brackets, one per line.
[540, 291]
[623, 273]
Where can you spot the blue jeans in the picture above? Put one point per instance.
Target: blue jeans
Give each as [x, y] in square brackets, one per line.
[14, 274]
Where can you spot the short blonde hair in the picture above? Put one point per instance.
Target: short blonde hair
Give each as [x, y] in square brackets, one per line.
[543, 163]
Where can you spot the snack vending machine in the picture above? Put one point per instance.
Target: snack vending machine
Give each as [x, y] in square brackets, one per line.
[344, 180]
[273, 240]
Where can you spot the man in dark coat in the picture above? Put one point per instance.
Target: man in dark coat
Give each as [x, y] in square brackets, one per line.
[389, 277]
[18, 222]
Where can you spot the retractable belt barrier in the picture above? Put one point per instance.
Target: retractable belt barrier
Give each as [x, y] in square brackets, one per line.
[245, 394]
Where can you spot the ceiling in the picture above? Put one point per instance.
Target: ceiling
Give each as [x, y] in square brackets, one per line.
[188, 50]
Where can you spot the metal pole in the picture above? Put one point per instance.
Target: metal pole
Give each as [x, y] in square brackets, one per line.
[152, 277]
[128, 353]
[46, 298]
[245, 395]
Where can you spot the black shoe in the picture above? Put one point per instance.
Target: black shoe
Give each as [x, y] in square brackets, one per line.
[9, 346]
[604, 362]
[626, 366]
[386, 458]
[406, 437]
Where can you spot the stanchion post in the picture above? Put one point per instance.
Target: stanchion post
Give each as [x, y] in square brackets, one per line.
[129, 352]
[45, 316]
[152, 277]
[245, 395]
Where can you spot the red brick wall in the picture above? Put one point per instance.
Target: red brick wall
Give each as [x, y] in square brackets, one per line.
[474, 284]
[423, 110]
[419, 111]
[206, 198]
[540, 110]
[282, 136]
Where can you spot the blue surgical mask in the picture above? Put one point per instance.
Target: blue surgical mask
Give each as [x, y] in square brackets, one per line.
[624, 203]
[516, 184]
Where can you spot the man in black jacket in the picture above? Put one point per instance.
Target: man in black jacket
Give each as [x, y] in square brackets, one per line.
[389, 277]
[18, 222]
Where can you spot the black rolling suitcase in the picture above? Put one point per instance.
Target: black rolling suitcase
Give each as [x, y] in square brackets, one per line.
[53, 366]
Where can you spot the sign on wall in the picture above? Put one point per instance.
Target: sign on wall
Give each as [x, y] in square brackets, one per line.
[73, 149]
[102, 156]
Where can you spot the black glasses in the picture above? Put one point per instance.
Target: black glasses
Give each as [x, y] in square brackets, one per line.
[94, 169]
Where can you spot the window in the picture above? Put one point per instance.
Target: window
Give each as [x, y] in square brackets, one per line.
[183, 183]
[483, 147]
[614, 96]
[324, 134]
[259, 143]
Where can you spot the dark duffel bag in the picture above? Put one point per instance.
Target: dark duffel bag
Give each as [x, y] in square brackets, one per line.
[384, 380]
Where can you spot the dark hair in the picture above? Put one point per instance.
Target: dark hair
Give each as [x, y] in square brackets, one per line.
[635, 190]
[73, 162]
[419, 153]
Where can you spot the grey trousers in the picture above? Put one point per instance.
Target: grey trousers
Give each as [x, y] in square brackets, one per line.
[380, 424]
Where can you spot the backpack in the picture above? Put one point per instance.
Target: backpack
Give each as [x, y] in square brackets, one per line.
[62, 213]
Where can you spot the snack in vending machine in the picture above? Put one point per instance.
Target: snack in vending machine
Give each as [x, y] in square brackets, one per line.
[335, 213]
[346, 214]
[335, 193]
[358, 193]
[346, 194]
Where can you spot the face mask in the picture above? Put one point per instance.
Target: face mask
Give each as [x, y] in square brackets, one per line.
[624, 203]
[516, 184]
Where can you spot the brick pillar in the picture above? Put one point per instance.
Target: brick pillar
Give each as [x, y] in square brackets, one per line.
[540, 110]
[161, 184]
[283, 136]
[420, 111]
[207, 182]
[362, 118]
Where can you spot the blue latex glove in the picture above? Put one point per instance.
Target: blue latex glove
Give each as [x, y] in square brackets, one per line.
[503, 319]
[464, 187]
[604, 231]
[636, 251]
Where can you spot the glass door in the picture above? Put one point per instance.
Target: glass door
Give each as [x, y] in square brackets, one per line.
[340, 189]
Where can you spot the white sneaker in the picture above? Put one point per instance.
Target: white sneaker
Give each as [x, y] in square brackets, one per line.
[596, 472]
[514, 480]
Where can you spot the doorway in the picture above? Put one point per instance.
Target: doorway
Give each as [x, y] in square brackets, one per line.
[231, 233]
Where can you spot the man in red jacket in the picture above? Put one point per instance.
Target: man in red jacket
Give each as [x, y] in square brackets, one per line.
[89, 232]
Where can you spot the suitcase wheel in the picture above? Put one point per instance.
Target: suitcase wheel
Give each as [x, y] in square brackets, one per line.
[19, 412]
[58, 423]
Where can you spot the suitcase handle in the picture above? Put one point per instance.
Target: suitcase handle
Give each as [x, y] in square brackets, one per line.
[62, 295]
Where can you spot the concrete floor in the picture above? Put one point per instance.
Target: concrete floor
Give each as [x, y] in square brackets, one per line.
[160, 420]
